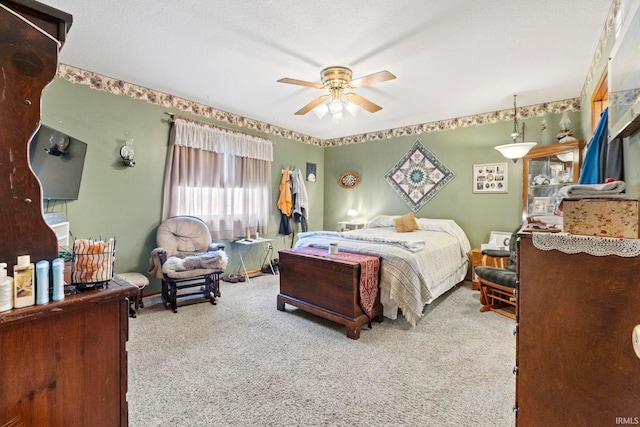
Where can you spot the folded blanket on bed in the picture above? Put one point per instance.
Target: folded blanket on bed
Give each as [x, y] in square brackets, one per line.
[587, 191]
[448, 226]
[411, 245]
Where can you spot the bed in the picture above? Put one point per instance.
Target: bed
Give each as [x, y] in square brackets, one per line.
[417, 267]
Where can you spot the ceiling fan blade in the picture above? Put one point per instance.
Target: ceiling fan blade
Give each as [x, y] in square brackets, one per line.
[380, 76]
[310, 106]
[363, 102]
[301, 83]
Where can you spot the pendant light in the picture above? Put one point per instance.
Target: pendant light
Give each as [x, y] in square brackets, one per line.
[515, 150]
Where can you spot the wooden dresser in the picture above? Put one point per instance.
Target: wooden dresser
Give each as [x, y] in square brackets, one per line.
[575, 360]
[62, 363]
[65, 363]
[31, 34]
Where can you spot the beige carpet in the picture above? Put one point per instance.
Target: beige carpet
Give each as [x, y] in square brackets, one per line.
[243, 363]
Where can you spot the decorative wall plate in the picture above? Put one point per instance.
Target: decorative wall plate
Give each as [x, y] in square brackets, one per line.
[349, 180]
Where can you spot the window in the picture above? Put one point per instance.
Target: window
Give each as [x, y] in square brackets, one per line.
[221, 177]
[599, 101]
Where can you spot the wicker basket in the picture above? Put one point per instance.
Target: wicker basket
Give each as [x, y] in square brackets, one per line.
[92, 264]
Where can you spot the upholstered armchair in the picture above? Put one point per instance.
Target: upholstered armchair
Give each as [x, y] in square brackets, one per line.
[499, 286]
[188, 263]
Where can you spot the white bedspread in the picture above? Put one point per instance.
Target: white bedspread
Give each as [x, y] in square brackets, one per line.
[415, 265]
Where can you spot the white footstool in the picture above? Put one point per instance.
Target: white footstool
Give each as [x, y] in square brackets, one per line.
[139, 280]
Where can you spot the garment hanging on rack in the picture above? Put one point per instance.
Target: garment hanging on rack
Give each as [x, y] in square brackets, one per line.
[300, 200]
[285, 203]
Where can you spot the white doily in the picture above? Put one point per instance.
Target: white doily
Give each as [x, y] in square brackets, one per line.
[593, 245]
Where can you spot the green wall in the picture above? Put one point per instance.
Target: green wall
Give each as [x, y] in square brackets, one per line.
[116, 200]
[459, 149]
[126, 202]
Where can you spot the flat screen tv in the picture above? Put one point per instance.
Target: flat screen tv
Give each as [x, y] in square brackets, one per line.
[57, 160]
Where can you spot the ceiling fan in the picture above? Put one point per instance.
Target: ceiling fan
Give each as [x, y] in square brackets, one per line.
[337, 80]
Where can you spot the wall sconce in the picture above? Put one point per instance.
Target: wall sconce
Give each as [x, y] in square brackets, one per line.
[352, 214]
[59, 143]
[515, 150]
[126, 151]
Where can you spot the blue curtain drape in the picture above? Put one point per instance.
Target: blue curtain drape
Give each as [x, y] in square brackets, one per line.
[590, 173]
[604, 159]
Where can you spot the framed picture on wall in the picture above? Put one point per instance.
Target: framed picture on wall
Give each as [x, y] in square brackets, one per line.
[311, 172]
[490, 178]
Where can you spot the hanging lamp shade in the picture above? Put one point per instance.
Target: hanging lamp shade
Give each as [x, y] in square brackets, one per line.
[515, 150]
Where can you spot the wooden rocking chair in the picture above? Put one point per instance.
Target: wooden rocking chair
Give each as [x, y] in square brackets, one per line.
[499, 286]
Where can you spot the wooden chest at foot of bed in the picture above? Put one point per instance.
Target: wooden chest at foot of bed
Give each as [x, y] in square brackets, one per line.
[326, 287]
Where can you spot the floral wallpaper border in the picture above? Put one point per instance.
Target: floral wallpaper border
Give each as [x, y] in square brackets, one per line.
[119, 87]
[602, 43]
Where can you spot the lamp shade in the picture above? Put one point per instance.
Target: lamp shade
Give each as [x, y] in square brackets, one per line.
[515, 150]
[353, 108]
[321, 110]
[352, 213]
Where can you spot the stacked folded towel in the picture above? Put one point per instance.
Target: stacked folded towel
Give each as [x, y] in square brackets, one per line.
[612, 189]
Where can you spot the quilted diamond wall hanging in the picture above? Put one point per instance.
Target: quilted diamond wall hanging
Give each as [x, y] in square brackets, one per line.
[418, 176]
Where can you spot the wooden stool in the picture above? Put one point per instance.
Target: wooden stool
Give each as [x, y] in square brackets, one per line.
[139, 280]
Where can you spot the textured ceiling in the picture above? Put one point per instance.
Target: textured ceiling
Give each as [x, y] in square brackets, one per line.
[452, 58]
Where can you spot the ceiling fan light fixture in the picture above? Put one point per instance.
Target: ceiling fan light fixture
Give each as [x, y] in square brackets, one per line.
[336, 80]
[353, 108]
[321, 110]
[335, 106]
[337, 117]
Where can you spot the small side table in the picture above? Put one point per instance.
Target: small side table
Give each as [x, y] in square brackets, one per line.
[346, 225]
[476, 261]
[264, 243]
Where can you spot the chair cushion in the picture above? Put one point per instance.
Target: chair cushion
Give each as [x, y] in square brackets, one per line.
[501, 276]
[139, 280]
[496, 253]
[195, 274]
[183, 235]
[214, 261]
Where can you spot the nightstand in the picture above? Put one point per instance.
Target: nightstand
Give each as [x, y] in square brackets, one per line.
[347, 225]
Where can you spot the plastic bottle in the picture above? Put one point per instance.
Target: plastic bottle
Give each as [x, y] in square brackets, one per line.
[42, 282]
[6, 289]
[23, 282]
[57, 266]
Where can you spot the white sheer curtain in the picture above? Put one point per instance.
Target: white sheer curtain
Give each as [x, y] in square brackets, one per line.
[220, 176]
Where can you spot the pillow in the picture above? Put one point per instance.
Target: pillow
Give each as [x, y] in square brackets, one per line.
[381, 221]
[435, 224]
[406, 223]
